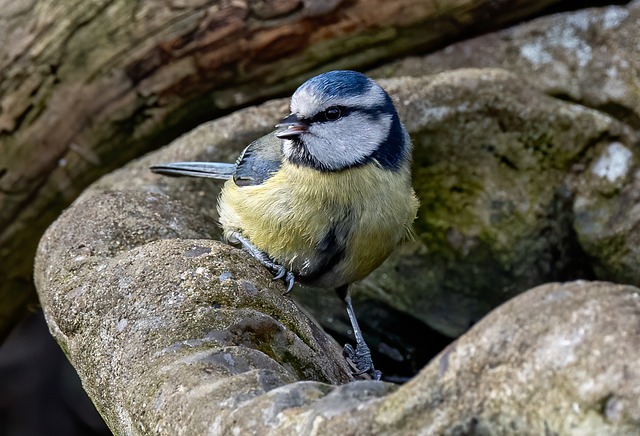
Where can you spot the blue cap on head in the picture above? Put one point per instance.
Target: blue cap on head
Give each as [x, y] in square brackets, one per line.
[367, 126]
[345, 83]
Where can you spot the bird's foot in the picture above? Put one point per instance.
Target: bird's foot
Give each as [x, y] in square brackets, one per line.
[360, 360]
[278, 271]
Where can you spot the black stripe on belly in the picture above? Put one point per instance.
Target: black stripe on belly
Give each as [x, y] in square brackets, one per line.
[330, 251]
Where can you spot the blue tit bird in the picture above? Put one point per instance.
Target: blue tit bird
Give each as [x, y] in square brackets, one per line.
[325, 198]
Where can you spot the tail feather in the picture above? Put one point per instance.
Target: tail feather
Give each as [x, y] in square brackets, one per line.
[213, 170]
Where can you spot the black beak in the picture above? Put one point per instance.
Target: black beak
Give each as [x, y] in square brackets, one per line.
[294, 127]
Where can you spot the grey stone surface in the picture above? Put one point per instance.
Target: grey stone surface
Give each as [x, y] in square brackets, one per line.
[523, 180]
[154, 328]
[183, 336]
[607, 213]
[558, 359]
[496, 164]
[590, 56]
[548, 216]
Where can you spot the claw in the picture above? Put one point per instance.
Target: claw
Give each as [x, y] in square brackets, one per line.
[361, 361]
[360, 357]
[279, 273]
[287, 276]
[376, 374]
[289, 281]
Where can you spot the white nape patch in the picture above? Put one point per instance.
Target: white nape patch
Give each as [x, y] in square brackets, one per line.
[347, 141]
[614, 163]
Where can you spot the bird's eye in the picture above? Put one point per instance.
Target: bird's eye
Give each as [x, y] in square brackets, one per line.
[332, 113]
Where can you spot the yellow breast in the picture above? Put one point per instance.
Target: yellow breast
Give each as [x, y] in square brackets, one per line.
[290, 213]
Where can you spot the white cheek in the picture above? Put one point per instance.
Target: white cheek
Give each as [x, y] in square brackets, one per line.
[347, 141]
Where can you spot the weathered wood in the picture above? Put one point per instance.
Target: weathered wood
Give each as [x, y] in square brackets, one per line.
[86, 85]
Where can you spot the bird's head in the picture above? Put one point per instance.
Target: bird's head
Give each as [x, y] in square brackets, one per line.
[342, 119]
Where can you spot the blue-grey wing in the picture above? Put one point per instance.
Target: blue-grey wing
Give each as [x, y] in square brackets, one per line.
[258, 162]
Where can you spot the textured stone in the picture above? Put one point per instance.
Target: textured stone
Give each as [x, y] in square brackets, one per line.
[495, 164]
[182, 336]
[607, 213]
[156, 328]
[558, 359]
[590, 56]
[175, 334]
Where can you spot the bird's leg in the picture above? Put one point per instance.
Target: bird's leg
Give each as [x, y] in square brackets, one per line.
[361, 355]
[278, 271]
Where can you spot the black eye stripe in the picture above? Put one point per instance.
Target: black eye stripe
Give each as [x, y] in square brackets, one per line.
[322, 117]
[345, 111]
